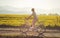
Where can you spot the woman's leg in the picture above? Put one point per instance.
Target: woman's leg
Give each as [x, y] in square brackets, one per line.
[34, 22]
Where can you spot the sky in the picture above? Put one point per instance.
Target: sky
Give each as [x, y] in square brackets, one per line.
[24, 6]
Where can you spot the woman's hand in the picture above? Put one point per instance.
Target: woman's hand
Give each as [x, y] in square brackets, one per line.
[26, 18]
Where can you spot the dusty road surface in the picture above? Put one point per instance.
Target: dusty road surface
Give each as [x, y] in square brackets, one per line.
[17, 32]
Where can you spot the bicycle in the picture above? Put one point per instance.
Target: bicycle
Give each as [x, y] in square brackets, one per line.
[40, 29]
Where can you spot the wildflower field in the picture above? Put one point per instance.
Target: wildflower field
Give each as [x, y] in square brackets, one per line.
[17, 20]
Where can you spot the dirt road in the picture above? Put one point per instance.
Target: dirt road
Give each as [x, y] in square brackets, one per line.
[17, 32]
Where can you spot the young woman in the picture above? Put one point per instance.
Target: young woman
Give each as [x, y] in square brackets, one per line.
[34, 18]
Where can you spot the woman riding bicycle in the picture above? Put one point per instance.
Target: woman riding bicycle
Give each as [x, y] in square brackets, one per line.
[34, 18]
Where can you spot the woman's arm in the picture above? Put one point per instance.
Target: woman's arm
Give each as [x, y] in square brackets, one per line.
[29, 16]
